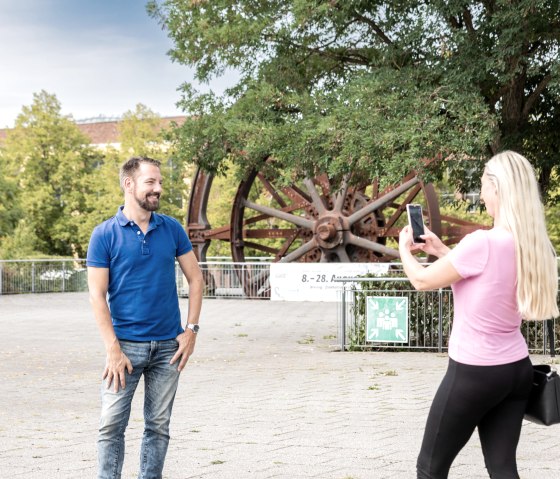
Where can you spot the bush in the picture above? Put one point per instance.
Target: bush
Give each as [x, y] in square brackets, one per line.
[426, 328]
[430, 317]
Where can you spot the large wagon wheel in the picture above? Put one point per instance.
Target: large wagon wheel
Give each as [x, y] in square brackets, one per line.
[311, 222]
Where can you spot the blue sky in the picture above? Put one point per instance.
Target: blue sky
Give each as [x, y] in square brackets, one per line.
[99, 57]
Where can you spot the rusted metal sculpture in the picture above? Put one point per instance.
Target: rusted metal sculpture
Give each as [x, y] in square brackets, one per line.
[311, 222]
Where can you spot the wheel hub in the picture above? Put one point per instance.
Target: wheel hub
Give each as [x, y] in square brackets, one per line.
[329, 231]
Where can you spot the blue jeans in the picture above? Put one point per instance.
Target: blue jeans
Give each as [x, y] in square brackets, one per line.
[150, 359]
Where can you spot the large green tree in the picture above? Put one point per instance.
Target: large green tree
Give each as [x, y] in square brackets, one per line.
[369, 87]
[57, 187]
[140, 134]
[49, 160]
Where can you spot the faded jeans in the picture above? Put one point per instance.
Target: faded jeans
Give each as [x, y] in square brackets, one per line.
[150, 359]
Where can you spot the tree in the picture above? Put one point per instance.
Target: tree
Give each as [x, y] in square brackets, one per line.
[142, 134]
[57, 188]
[21, 243]
[48, 158]
[10, 211]
[369, 87]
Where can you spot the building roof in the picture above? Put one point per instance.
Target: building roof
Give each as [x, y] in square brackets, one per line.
[105, 132]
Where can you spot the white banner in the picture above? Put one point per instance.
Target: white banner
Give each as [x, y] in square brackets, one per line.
[315, 281]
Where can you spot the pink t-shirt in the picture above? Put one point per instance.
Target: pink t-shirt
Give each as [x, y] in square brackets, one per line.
[486, 324]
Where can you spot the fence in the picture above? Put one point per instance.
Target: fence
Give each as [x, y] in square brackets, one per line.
[42, 276]
[231, 280]
[222, 279]
[428, 322]
[430, 312]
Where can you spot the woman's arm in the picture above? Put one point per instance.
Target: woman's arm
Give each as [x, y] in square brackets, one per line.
[437, 275]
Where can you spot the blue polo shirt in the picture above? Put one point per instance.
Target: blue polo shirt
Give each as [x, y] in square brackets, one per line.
[142, 293]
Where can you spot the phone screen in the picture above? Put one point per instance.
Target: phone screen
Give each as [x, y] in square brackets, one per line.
[416, 222]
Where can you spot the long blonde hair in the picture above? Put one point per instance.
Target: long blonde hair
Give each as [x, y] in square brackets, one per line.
[521, 211]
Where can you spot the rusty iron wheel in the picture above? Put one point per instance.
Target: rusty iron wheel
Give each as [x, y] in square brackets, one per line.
[311, 222]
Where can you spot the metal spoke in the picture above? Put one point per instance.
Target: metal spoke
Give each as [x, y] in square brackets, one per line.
[400, 210]
[266, 249]
[286, 209]
[375, 188]
[317, 200]
[370, 245]
[270, 188]
[287, 244]
[296, 194]
[388, 197]
[343, 255]
[298, 253]
[296, 220]
[341, 195]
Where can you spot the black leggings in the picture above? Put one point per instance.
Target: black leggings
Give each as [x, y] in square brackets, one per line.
[490, 397]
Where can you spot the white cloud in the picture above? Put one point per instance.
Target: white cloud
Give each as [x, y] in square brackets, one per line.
[98, 70]
[99, 73]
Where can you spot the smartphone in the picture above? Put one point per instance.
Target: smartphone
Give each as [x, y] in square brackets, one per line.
[416, 222]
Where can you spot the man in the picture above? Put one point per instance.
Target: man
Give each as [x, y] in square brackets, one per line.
[131, 278]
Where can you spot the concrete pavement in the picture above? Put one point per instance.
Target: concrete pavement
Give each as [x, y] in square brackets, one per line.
[266, 395]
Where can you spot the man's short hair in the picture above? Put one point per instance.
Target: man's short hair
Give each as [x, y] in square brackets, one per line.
[131, 166]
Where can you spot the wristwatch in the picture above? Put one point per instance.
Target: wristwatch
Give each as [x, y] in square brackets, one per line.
[193, 327]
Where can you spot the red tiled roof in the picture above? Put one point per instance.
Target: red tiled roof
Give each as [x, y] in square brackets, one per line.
[100, 133]
[104, 132]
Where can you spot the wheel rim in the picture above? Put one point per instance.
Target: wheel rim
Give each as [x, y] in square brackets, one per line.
[309, 222]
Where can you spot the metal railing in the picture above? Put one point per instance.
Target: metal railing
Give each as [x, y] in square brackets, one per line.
[430, 317]
[430, 312]
[222, 279]
[42, 276]
[247, 280]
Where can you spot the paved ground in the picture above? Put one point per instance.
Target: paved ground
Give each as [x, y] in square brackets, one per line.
[265, 396]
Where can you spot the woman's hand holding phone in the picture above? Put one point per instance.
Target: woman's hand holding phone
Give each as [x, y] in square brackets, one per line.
[432, 246]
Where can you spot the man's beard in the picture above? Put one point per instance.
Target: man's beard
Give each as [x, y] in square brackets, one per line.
[146, 203]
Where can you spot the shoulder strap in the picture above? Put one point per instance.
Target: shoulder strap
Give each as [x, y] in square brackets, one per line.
[550, 334]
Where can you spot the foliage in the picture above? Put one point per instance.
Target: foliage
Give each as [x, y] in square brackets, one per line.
[423, 307]
[21, 243]
[57, 188]
[371, 87]
[424, 316]
[10, 210]
[553, 225]
[48, 157]
[141, 134]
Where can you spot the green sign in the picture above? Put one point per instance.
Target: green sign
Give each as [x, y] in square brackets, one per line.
[387, 319]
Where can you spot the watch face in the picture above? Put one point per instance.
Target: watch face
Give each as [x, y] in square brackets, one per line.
[193, 327]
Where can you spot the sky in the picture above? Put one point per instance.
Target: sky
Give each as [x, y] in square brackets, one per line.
[99, 57]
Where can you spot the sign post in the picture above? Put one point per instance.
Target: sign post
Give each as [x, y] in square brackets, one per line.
[387, 319]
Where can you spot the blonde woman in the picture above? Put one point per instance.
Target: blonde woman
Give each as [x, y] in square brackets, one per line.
[499, 277]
